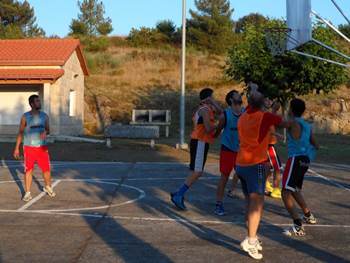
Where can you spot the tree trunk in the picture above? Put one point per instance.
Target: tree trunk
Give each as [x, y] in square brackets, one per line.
[284, 114]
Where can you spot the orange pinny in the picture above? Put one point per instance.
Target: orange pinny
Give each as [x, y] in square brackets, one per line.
[199, 132]
[251, 152]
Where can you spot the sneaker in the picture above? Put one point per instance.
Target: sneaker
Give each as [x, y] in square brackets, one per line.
[295, 230]
[219, 210]
[268, 188]
[259, 245]
[252, 250]
[231, 194]
[27, 197]
[310, 219]
[49, 191]
[178, 201]
[276, 193]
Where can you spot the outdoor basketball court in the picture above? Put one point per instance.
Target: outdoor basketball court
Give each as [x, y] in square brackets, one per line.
[120, 212]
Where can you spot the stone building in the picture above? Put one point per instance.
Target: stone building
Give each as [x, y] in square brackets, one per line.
[55, 70]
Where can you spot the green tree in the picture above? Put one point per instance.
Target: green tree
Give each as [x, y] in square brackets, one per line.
[167, 28]
[91, 21]
[211, 26]
[146, 36]
[251, 19]
[285, 77]
[17, 20]
[345, 29]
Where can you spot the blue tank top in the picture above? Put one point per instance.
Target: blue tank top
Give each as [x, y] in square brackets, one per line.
[229, 137]
[35, 125]
[301, 146]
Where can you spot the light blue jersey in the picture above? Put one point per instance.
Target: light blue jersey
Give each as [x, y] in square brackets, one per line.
[301, 146]
[35, 125]
[229, 137]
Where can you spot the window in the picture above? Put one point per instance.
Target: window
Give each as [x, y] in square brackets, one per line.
[72, 103]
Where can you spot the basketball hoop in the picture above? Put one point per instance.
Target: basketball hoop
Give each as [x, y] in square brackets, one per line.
[276, 39]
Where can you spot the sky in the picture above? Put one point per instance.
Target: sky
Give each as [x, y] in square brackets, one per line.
[54, 16]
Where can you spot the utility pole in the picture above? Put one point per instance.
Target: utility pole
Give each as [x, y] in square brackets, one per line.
[182, 144]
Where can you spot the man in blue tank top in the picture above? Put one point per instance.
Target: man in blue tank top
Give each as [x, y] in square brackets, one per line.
[229, 145]
[301, 145]
[33, 131]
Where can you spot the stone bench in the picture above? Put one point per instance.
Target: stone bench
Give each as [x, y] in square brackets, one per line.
[131, 132]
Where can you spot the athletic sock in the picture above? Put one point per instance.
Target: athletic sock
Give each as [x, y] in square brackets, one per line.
[252, 241]
[308, 214]
[219, 203]
[182, 190]
[298, 222]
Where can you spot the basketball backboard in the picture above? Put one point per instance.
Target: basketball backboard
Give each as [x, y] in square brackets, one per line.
[299, 23]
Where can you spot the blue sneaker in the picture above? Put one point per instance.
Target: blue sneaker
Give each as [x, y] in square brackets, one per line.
[219, 210]
[178, 201]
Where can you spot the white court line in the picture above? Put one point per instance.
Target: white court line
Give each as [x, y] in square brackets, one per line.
[37, 198]
[141, 195]
[329, 180]
[167, 219]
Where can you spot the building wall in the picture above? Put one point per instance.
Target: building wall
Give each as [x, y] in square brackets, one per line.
[13, 108]
[72, 80]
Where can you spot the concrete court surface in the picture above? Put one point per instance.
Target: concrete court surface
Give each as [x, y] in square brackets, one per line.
[120, 212]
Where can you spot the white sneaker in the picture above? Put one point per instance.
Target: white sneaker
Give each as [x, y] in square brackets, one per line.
[252, 250]
[297, 231]
[27, 197]
[49, 191]
[310, 219]
[259, 245]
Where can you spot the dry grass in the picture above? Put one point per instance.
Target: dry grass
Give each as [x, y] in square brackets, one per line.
[149, 78]
[125, 78]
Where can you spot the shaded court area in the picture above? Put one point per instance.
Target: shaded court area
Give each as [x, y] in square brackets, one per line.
[121, 212]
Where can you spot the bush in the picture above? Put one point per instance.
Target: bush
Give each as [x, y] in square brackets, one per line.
[97, 62]
[118, 41]
[146, 37]
[96, 44]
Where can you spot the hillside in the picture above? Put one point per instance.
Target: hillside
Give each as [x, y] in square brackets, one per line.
[125, 78]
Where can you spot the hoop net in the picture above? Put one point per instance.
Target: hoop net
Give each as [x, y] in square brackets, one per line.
[276, 39]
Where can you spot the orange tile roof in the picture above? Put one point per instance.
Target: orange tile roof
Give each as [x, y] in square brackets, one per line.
[40, 52]
[10, 75]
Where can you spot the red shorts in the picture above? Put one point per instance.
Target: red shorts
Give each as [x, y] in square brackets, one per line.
[274, 159]
[227, 162]
[39, 155]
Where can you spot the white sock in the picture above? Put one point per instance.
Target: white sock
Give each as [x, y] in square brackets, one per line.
[252, 241]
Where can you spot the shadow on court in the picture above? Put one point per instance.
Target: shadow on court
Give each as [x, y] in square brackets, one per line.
[131, 248]
[153, 230]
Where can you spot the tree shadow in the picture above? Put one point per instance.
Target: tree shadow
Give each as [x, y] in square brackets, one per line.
[158, 206]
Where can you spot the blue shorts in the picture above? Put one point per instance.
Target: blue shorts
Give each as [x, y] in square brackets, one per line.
[253, 178]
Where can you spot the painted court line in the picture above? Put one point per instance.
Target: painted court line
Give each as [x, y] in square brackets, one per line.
[171, 220]
[329, 180]
[37, 198]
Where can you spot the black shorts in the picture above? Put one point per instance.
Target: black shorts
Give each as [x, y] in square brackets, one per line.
[199, 152]
[294, 173]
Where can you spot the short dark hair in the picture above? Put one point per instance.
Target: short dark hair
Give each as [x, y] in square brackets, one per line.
[205, 93]
[229, 97]
[32, 98]
[256, 101]
[297, 107]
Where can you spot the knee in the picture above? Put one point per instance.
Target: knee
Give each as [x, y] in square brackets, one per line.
[286, 193]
